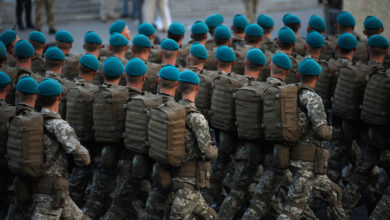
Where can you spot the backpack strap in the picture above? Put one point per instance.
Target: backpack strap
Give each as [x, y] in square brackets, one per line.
[301, 88]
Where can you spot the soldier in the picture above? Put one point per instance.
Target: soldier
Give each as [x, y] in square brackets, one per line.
[54, 61]
[222, 36]
[267, 23]
[92, 43]
[197, 58]
[316, 23]
[250, 8]
[238, 27]
[293, 22]
[149, 31]
[176, 32]
[314, 44]
[315, 130]
[169, 52]
[372, 26]
[107, 10]
[9, 38]
[64, 41]
[118, 47]
[212, 22]
[38, 41]
[118, 26]
[51, 197]
[11, 71]
[24, 53]
[49, 6]
[188, 201]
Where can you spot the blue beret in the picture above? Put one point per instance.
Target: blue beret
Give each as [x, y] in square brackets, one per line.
[240, 21]
[23, 48]
[222, 32]
[136, 67]
[37, 36]
[141, 40]
[176, 28]
[8, 37]
[189, 76]
[54, 53]
[169, 72]
[92, 37]
[214, 20]
[291, 19]
[315, 39]
[254, 30]
[256, 56]
[378, 41]
[27, 84]
[90, 61]
[372, 22]
[117, 26]
[49, 87]
[113, 67]
[309, 67]
[286, 35]
[347, 41]
[199, 28]
[3, 50]
[169, 44]
[282, 60]
[118, 40]
[64, 36]
[225, 54]
[265, 21]
[146, 29]
[346, 18]
[4, 79]
[317, 23]
[199, 51]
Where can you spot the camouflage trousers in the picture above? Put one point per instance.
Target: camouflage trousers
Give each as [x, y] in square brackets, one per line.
[382, 210]
[48, 5]
[44, 209]
[250, 8]
[78, 182]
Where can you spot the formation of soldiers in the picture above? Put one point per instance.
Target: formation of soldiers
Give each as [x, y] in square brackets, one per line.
[234, 125]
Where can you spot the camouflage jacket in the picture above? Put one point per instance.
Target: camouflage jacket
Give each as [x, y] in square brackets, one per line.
[6, 112]
[300, 46]
[210, 44]
[275, 81]
[237, 42]
[12, 73]
[69, 70]
[11, 60]
[268, 45]
[38, 65]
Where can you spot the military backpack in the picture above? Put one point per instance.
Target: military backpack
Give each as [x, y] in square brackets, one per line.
[6, 112]
[361, 53]
[203, 99]
[291, 77]
[150, 84]
[69, 70]
[329, 49]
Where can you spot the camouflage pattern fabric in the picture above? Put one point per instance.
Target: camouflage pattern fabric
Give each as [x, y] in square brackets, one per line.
[44, 209]
[237, 42]
[38, 65]
[11, 60]
[382, 209]
[268, 45]
[48, 5]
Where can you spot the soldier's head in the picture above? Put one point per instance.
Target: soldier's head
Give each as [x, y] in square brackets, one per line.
[309, 71]
[316, 23]
[267, 23]
[293, 22]
[280, 65]
[378, 48]
[213, 21]
[169, 51]
[176, 32]
[188, 85]
[141, 47]
[198, 56]
[26, 90]
[24, 53]
[3, 54]
[64, 41]
[239, 24]
[135, 73]
[88, 66]
[9, 38]
[167, 79]
[222, 36]
[49, 94]
[38, 41]
[286, 40]
[147, 30]
[54, 59]
[199, 32]
[253, 35]
[254, 62]
[120, 27]
[372, 25]
[113, 70]
[345, 22]
[346, 45]
[5, 82]
[315, 42]
[92, 43]
[225, 59]
[118, 45]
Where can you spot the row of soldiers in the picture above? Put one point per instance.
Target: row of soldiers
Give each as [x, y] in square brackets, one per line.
[141, 116]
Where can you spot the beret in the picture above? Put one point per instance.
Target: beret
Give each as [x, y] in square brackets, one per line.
[256, 56]
[136, 67]
[146, 29]
[27, 84]
[141, 40]
[315, 39]
[118, 40]
[309, 67]
[347, 41]
[23, 48]
[189, 76]
[8, 37]
[199, 51]
[240, 21]
[286, 35]
[265, 21]
[372, 22]
[37, 36]
[225, 54]
[3, 50]
[54, 53]
[117, 26]
[346, 18]
[113, 67]
[317, 23]
[92, 37]
[282, 60]
[4, 79]
[254, 30]
[49, 87]
[222, 32]
[378, 41]
[64, 36]
[291, 19]
[199, 28]
[90, 61]
[169, 44]
[176, 28]
[214, 20]
[169, 72]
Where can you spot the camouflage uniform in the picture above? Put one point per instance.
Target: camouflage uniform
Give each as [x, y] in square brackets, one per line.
[155, 54]
[11, 60]
[237, 42]
[38, 65]
[299, 46]
[210, 64]
[382, 210]
[250, 8]
[69, 70]
[268, 45]
[12, 73]
[49, 7]
[210, 44]
[150, 84]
